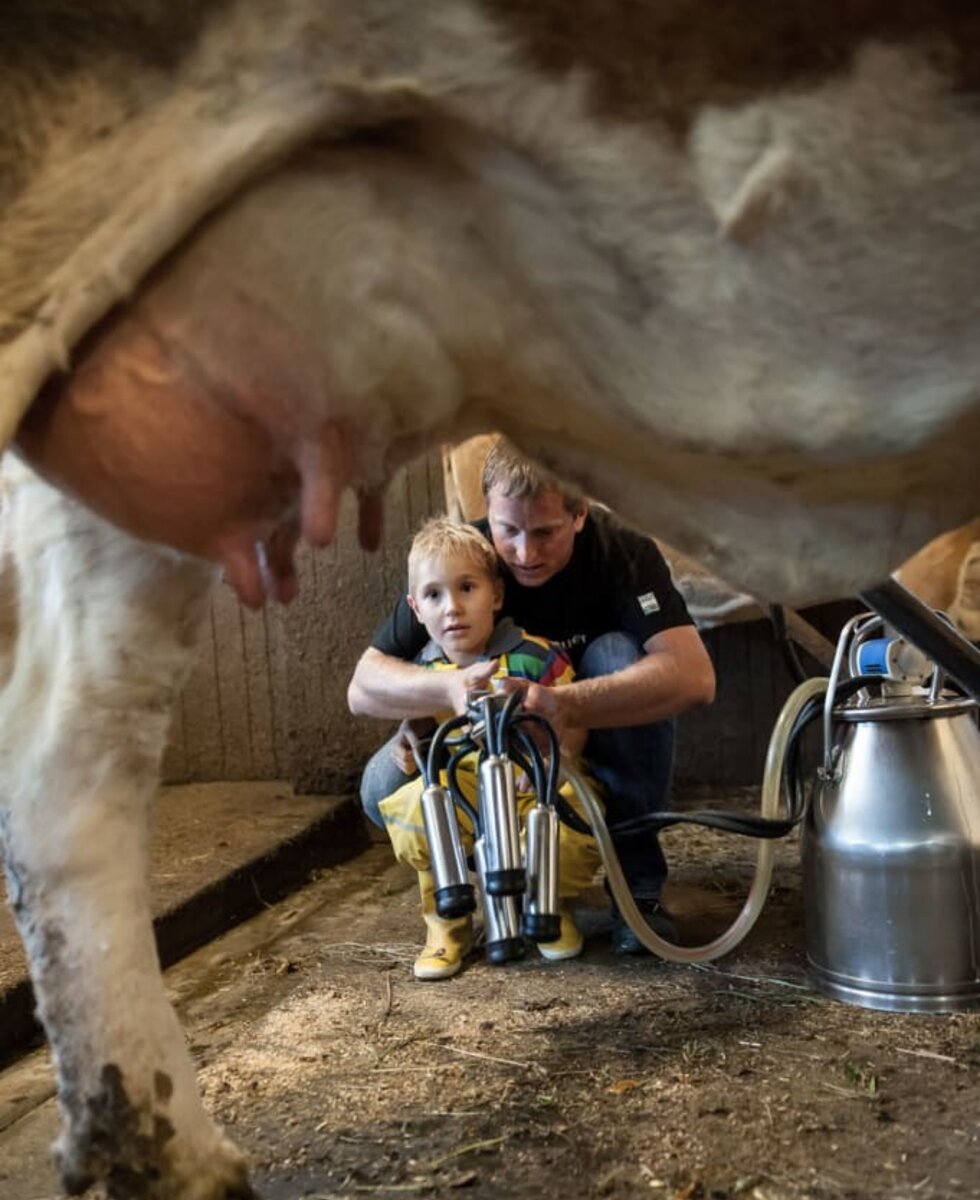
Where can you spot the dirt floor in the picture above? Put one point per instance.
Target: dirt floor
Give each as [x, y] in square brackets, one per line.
[601, 1077]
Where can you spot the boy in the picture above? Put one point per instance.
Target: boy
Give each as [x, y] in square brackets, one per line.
[455, 591]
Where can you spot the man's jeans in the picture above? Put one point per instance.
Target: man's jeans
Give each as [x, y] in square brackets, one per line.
[381, 777]
[632, 764]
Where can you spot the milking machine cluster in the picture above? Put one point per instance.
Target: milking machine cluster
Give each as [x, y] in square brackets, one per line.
[518, 884]
[890, 819]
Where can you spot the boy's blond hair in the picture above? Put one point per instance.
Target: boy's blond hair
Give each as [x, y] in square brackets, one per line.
[441, 538]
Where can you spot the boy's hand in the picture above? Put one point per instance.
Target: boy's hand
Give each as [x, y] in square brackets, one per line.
[402, 756]
[401, 751]
[413, 735]
[460, 683]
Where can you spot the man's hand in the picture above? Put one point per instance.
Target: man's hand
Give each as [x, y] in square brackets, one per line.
[547, 703]
[472, 678]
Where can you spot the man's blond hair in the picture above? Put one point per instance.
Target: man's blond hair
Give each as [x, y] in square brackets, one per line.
[441, 538]
[518, 478]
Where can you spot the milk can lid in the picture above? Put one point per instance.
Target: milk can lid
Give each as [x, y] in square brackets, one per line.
[915, 706]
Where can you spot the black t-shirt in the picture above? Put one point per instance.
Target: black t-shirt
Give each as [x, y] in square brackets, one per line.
[616, 579]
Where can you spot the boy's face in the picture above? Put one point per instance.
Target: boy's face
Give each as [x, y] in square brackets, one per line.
[457, 602]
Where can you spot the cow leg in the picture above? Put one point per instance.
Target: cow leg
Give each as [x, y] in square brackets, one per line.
[100, 631]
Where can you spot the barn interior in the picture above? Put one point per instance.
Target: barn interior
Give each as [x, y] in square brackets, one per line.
[260, 844]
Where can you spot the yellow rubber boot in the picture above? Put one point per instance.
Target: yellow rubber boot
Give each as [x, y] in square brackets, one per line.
[570, 942]
[447, 943]
[578, 861]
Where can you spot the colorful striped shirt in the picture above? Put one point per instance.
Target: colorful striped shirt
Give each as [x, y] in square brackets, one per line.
[521, 655]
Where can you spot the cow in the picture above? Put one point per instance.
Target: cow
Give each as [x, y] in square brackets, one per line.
[717, 261]
[946, 575]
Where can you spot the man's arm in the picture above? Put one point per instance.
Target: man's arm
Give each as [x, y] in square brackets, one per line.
[384, 686]
[674, 674]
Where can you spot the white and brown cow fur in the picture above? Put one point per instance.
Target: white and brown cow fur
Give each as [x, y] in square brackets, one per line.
[718, 262]
[98, 634]
[965, 609]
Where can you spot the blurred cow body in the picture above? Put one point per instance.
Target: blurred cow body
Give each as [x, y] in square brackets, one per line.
[717, 262]
[715, 274]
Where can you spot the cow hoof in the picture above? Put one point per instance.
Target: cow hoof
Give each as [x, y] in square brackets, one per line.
[138, 1154]
[225, 1182]
[224, 1177]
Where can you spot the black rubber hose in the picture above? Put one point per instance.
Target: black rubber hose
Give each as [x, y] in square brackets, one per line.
[554, 757]
[456, 792]
[745, 824]
[435, 746]
[532, 765]
[506, 717]
[777, 617]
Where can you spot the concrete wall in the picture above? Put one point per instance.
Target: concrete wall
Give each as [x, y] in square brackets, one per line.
[267, 700]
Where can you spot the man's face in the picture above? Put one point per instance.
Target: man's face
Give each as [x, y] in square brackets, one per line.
[457, 602]
[533, 536]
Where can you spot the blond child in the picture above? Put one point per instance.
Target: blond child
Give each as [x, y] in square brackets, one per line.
[456, 592]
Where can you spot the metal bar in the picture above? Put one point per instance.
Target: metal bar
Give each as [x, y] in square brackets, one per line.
[809, 639]
[935, 637]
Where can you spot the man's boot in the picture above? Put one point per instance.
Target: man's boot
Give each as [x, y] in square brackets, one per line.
[447, 942]
[625, 941]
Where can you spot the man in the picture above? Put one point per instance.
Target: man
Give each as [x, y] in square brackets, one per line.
[574, 574]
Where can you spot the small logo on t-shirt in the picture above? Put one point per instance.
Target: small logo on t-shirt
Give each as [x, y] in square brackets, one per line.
[649, 603]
